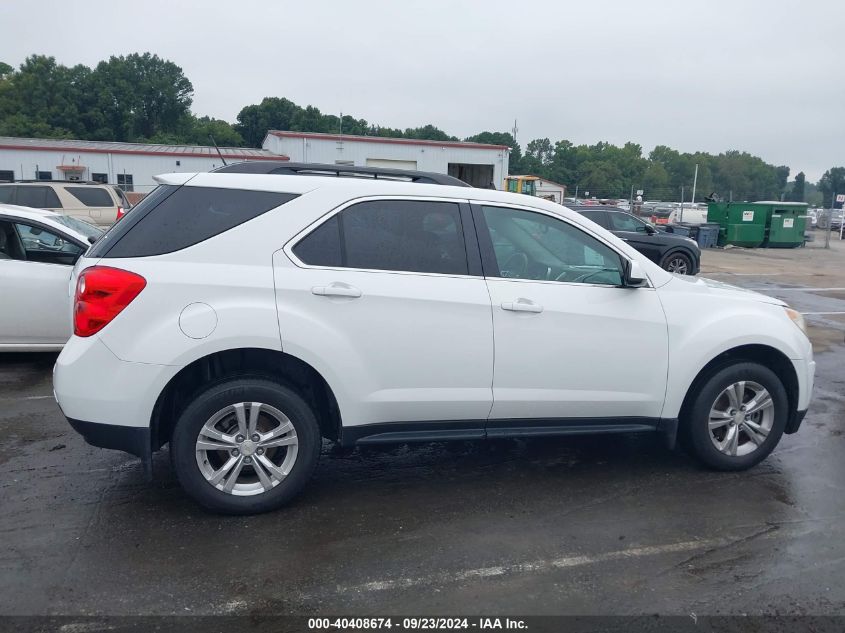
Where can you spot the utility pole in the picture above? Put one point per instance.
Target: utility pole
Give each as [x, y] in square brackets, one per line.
[576, 193]
[631, 201]
[682, 204]
[514, 130]
[694, 183]
[830, 221]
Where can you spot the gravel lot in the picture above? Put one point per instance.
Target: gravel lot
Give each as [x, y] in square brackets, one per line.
[585, 525]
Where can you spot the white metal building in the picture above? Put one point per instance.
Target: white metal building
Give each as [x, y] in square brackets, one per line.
[551, 190]
[475, 163]
[130, 165]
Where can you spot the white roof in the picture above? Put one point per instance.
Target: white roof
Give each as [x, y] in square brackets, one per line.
[149, 149]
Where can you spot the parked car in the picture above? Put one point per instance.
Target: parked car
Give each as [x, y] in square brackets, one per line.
[92, 202]
[674, 253]
[829, 219]
[242, 316]
[37, 252]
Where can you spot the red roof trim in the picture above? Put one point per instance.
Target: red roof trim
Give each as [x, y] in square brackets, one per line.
[91, 150]
[383, 139]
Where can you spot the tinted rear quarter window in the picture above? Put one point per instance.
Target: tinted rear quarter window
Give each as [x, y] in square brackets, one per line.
[321, 247]
[172, 218]
[91, 196]
[6, 194]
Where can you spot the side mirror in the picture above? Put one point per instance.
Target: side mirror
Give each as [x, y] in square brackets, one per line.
[635, 276]
[650, 229]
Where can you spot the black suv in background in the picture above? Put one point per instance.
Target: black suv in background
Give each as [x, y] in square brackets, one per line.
[674, 253]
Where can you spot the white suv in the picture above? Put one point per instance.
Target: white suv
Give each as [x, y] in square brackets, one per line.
[242, 315]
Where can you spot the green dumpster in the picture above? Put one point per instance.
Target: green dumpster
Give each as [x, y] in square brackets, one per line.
[787, 223]
[740, 223]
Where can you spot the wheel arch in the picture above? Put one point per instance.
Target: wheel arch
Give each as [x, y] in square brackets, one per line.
[239, 362]
[672, 250]
[765, 355]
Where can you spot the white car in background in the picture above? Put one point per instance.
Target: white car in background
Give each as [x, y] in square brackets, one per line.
[37, 252]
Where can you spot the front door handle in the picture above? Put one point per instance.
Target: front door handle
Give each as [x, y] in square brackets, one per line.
[336, 289]
[522, 305]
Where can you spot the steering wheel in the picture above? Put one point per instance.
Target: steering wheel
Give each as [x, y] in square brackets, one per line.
[515, 265]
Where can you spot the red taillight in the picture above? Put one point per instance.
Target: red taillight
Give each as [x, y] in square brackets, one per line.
[101, 293]
[120, 213]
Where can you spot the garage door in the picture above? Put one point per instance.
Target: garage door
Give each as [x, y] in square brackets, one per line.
[392, 164]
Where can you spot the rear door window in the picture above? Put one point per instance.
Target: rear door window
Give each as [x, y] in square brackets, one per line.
[37, 197]
[599, 217]
[172, 218]
[395, 235]
[91, 196]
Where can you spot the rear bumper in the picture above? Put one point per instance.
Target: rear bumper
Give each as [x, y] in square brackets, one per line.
[90, 383]
[130, 439]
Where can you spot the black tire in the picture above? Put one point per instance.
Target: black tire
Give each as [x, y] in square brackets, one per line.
[673, 261]
[695, 425]
[214, 399]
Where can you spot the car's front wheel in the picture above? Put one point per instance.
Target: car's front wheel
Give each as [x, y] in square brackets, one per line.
[677, 262]
[244, 446]
[737, 417]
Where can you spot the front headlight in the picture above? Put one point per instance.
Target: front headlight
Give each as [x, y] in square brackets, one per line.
[798, 319]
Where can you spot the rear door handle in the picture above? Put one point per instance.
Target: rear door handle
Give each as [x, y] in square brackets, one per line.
[336, 289]
[522, 305]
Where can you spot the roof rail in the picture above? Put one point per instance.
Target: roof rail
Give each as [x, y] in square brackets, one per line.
[285, 168]
[46, 182]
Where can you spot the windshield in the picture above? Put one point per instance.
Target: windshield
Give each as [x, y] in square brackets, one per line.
[80, 226]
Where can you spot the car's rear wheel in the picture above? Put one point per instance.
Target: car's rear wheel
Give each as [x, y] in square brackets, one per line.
[737, 417]
[677, 262]
[245, 446]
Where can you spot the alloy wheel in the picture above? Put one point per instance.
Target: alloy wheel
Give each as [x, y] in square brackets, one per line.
[741, 418]
[246, 448]
[677, 265]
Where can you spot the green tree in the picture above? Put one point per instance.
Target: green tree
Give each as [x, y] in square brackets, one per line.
[44, 98]
[832, 182]
[798, 188]
[141, 95]
[203, 128]
[541, 150]
[428, 133]
[273, 113]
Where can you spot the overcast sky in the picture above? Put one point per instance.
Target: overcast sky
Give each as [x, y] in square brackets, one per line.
[761, 76]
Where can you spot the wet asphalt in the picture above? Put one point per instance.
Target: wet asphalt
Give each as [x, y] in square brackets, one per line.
[583, 525]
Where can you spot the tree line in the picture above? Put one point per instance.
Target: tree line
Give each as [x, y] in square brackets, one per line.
[144, 98]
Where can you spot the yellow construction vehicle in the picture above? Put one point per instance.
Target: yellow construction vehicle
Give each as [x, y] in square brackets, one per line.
[522, 184]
